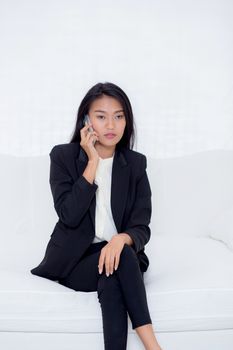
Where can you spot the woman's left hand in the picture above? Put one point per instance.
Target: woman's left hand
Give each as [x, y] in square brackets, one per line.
[110, 254]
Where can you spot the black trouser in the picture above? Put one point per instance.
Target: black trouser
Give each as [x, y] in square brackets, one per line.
[121, 292]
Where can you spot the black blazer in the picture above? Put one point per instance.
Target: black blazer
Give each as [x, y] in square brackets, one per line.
[74, 201]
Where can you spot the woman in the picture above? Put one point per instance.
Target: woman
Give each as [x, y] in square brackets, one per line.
[102, 197]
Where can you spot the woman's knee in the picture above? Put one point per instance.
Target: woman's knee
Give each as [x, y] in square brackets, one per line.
[110, 286]
[128, 254]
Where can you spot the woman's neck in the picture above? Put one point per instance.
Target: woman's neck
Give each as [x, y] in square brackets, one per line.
[105, 152]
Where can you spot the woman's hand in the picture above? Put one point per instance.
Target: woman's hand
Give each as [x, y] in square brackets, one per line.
[110, 254]
[87, 138]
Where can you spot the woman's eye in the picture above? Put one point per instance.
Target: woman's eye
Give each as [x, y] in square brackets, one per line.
[100, 116]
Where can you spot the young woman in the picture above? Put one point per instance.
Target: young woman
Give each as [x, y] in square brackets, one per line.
[102, 197]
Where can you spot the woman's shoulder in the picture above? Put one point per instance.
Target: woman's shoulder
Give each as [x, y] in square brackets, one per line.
[66, 148]
[135, 157]
[130, 153]
[72, 149]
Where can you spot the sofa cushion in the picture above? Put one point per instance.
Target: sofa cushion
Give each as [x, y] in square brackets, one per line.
[221, 227]
[189, 287]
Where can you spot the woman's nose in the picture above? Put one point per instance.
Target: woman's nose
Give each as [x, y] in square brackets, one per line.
[110, 123]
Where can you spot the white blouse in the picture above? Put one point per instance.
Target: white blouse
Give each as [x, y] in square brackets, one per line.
[104, 224]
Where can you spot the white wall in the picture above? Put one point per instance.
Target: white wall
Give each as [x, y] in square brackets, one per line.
[173, 58]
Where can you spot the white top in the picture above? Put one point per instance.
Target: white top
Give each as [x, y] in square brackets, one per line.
[104, 224]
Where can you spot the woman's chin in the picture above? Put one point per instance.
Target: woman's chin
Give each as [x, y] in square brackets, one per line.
[109, 143]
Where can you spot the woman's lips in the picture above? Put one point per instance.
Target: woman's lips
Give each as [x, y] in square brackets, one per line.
[110, 136]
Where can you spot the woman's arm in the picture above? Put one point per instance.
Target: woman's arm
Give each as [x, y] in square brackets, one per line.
[138, 223]
[90, 171]
[127, 239]
[71, 199]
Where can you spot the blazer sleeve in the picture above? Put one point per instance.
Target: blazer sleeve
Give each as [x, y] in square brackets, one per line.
[138, 223]
[71, 198]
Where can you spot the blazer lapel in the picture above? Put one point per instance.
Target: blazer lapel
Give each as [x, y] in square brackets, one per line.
[119, 185]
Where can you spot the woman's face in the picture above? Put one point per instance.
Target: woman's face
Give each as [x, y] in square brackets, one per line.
[108, 120]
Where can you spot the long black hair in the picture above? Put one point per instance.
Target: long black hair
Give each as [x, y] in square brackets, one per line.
[115, 91]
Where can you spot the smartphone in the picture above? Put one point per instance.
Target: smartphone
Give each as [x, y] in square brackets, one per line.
[87, 121]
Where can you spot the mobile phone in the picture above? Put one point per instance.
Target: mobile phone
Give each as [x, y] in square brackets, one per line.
[87, 121]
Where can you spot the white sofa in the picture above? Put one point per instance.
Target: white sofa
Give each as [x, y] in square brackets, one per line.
[189, 282]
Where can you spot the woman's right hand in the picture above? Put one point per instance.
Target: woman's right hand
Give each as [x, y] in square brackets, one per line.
[86, 142]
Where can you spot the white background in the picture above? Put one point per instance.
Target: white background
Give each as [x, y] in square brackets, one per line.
[173, 58]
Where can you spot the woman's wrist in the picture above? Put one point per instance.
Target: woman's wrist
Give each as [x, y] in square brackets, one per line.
[90, 170]
[126, 237]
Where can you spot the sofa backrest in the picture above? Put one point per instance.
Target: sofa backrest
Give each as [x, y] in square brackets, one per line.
[187, 194]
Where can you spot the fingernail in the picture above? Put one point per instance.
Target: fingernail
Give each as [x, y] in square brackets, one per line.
[100, 271]
[107, 274]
